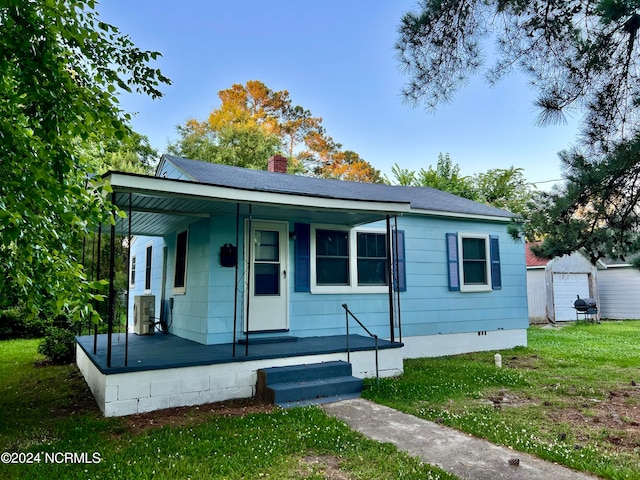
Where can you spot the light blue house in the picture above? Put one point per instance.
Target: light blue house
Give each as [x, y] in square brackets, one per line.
[243, 270]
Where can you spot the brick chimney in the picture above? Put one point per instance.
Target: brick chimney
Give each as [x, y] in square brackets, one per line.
[278, 163]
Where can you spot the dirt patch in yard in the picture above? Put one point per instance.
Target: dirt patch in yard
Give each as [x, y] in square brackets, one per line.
[615, 419]
[181, 416]
[529, 362]
[326, 466]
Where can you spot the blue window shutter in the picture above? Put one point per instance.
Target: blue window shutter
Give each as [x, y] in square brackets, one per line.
[400, 277]
[496, 277]
[302, 249]
[452, 260]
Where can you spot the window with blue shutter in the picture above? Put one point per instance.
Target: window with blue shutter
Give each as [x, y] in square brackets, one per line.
[473, 262]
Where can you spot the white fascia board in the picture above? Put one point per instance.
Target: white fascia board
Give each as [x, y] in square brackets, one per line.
[176, 188]
[468, 216]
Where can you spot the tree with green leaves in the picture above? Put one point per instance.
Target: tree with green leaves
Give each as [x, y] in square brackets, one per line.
[504, 188]
[580, 56]
[446, 176]
[61, 70]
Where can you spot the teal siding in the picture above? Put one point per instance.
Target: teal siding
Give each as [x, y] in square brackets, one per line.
[138, 250]
[205, 312]
[191, 309]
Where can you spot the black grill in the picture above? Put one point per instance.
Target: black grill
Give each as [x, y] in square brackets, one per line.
[585, 305]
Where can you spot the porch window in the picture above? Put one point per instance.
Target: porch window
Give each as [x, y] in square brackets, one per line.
[132, 278]
[332, 257]
[372, 258]
[179, 276]
[348, 261]
[147, 268]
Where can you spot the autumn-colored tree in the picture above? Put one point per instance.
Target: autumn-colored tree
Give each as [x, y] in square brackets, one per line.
[348, 165]
[254, 122]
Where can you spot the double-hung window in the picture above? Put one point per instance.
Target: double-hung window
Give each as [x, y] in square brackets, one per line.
[372, 258]
[147, 268]
[332, 257]
[344, 261]
[474, 262]
[180, 271]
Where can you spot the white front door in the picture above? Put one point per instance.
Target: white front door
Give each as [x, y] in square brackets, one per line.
[268, 277]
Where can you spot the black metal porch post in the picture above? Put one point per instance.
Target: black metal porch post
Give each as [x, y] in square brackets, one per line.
[95, 327]
[390, 281]
[235, 290]
[126, 325]
[249, 244]
[84, 265]
[112, 254]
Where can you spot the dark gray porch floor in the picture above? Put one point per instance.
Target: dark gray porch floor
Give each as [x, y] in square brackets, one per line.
[160, 351]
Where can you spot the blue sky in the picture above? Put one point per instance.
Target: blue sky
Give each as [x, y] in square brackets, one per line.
[335, 58]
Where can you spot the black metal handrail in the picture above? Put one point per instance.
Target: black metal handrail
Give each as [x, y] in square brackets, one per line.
[375, 337]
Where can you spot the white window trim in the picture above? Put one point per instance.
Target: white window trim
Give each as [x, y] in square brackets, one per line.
[487, 287]
[180, 290]
[353, 286]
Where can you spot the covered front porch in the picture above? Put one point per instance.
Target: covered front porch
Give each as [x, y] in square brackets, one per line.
[164, 371]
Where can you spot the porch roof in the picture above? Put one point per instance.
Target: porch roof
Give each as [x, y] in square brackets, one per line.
[160, 205]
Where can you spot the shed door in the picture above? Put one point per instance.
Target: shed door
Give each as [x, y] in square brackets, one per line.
[565, 288]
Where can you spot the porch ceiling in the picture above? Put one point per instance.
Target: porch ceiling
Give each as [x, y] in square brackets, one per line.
[160, 206]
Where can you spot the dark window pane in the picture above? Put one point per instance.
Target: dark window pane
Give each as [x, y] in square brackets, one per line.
[147, 273]
[372, 272]
[267, 245]
[332, 271]
[474, 249]
[475, 273]
[332, 242]
[267, 279]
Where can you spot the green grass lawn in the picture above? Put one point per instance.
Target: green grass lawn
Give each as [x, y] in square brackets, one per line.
[48, 412]
[572, 396]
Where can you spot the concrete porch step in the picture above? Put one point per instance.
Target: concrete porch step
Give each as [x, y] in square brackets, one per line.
[308, 383]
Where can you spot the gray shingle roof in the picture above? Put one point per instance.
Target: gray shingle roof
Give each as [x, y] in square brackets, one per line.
[420, 198]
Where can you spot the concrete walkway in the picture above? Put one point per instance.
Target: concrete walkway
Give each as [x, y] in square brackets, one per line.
[455, 452]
